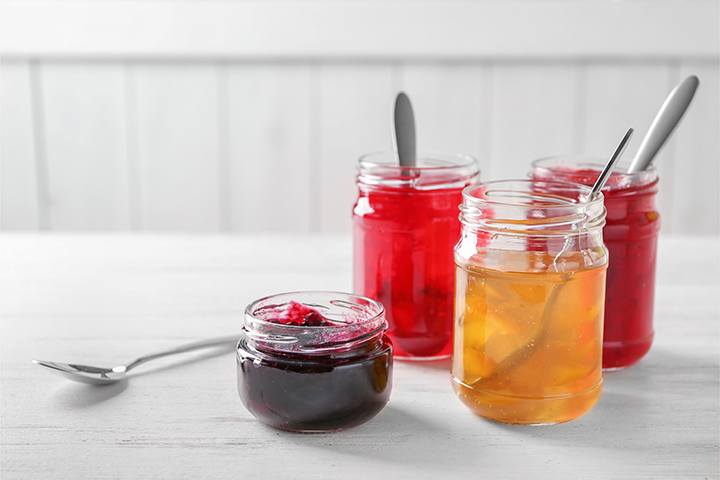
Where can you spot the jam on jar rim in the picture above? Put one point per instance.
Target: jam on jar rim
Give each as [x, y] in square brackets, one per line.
[433, 171]
[586, 169]
[358, 321]
[556, 208]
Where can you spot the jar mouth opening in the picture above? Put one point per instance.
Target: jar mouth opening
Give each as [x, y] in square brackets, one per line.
[531, 207]
[545, 194]
[584, 169]
[426, 161]
[357, 319]
[434, 171]
[348, 312]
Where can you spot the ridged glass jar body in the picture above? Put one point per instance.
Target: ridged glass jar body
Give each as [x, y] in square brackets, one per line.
[315, 379]
[405, 226]
[631, 235]
[529, 302]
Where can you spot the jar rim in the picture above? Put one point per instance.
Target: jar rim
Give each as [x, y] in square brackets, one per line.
[447, 161]
[434, 171]
[368, 322]
[620, 179]
[558, 203]
[532, 207]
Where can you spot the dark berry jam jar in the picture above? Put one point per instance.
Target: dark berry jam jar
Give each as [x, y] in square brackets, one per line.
[405, 227]
[630, 235]
[314, 361]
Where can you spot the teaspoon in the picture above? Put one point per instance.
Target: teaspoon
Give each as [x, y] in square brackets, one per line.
[106, 376]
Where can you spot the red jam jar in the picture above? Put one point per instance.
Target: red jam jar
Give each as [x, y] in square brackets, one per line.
[630, 235]
[314, 361]
[405, 227]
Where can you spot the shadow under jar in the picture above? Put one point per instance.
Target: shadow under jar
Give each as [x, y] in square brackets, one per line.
[630, 234]
[331, 372]
[529, 301]
[405, 226]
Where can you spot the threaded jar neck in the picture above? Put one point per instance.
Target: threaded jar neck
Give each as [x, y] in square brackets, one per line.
[433, 171]
[531, 207]
[586, 169]
[358, 321]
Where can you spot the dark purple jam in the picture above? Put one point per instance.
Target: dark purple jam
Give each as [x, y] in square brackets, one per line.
[302, 370]
[315, 393]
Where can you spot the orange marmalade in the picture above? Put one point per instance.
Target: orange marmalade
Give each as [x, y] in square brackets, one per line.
[529, 302]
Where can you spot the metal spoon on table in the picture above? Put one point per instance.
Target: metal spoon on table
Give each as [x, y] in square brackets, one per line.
[106, 376]
[665, 122]
[404, 131]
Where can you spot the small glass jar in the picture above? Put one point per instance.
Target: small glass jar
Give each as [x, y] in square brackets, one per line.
[405, 226]
[315, 378]
[630, 234]
[529, 301]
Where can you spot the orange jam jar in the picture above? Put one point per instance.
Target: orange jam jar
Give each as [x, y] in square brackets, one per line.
[529, 301]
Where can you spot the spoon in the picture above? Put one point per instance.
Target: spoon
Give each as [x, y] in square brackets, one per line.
[404, 131]
[106, 376]
[605, 174]
[665, 122]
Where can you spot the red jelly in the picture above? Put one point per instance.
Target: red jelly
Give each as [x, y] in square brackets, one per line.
[630, 235]
[314, 361]
[405, 227]
[296, 314]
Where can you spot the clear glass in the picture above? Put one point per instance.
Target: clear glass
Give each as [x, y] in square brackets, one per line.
[631, 235]
[529, 301]
[318, 378]
[405, 227]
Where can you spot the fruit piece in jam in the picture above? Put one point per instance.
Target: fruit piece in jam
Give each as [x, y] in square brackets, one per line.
[295, 314]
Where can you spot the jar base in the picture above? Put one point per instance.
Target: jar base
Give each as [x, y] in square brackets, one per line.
[312, 432]
[423, 359]
[619, 355]
[526, 411]
[614, 369]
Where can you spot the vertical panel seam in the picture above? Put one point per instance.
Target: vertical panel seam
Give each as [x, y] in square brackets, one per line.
[580, 111]
[673, 77]
[487, 137]
[223, 136]
[131, 139]
[492, 118]
[315, 177]
[40, 145]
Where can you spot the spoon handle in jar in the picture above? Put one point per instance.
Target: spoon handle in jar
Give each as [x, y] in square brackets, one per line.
[404, 131]
[665, 122]
[605, 174]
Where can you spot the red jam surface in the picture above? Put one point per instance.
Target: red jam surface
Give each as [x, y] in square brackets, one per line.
[403, 258]
[630, 235]
[296, 314]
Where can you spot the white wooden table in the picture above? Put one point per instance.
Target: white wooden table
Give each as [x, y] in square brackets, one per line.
[105, 299]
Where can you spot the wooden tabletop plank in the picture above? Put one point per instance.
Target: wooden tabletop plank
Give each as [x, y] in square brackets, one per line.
[102, 299]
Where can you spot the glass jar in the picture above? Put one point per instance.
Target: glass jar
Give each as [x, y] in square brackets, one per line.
[405, 226]
[529, 301]
[630, 234]
[315, 378]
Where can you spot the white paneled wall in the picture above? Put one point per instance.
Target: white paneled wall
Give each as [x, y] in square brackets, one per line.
[241, 146]
[100, 140]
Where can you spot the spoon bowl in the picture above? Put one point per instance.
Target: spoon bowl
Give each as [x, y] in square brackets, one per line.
[85, 373]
